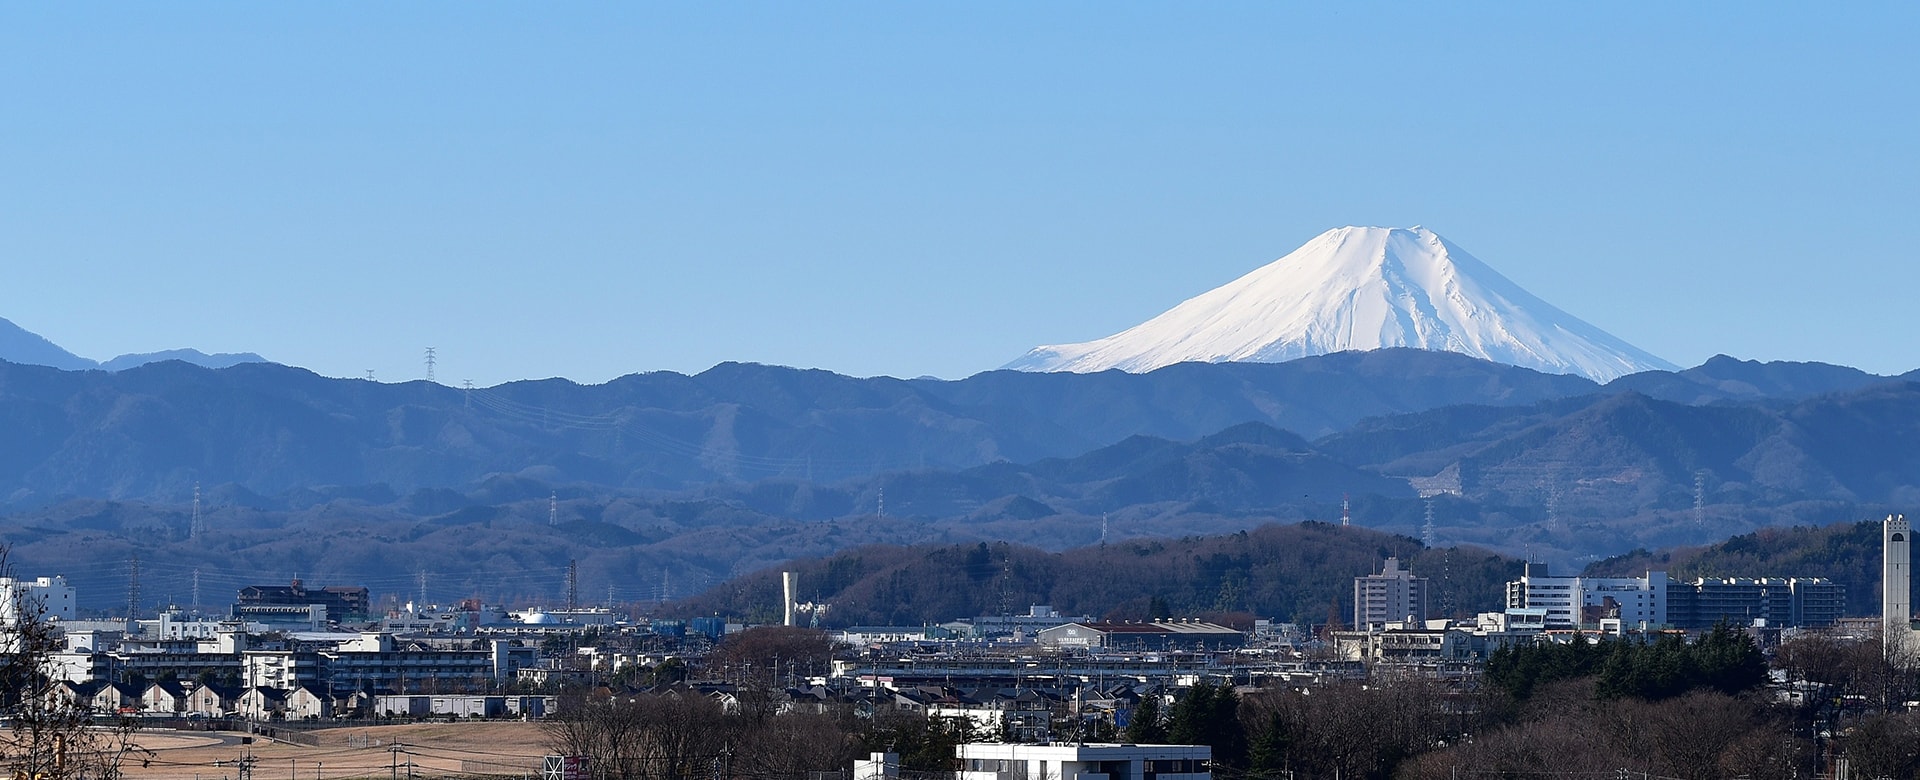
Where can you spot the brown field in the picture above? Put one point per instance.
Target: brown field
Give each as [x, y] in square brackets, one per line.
[435, 749]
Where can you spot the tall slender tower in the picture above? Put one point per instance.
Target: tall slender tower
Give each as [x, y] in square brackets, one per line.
[1896, 588]
[786, 593]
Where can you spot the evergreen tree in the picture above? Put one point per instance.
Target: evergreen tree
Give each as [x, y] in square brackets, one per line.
[1268, 757]
[1146, 727]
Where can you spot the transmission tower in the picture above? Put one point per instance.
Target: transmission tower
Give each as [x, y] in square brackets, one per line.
[133, 586]
[196, 591]
[422, 579]
[369, 374]
[429, 364]
[553, 508]
[1426, 528]
[1346, 509]
[573, 585]
[468, 384]
[882, 504]
[1700, 498]
[193, 528]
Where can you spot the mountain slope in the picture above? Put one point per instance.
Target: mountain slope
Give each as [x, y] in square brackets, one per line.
[193, 356]
[153, 431]
[19, 345]
[1360, 288]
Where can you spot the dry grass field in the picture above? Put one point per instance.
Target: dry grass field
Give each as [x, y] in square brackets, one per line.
[433, 750]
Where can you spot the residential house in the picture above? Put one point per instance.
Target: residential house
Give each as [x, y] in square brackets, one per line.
[262, 703]
[167, 697]
[213, 701]
[308, 702]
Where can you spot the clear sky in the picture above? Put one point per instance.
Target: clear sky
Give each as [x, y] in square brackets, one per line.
[588, 190]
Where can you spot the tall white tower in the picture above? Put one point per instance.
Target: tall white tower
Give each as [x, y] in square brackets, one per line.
[1896, 587]
[786, 589]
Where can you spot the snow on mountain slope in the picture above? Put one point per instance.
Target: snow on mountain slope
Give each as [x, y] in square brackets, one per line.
[1360, 288]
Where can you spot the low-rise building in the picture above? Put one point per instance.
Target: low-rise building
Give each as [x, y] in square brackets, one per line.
[1156, 635]
[1091, 761]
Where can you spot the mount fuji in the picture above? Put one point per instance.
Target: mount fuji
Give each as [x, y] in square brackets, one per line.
[1360, 288]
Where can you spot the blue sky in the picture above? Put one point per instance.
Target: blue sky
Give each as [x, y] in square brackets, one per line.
[589, 190]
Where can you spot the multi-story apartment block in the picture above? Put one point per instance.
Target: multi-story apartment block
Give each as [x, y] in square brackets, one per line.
[1393, 595]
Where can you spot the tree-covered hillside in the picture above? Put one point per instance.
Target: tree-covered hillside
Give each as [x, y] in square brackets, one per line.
[1299, 573]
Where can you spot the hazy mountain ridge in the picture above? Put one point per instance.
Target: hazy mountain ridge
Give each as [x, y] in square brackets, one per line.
[19, 345]
[699, 478]
[153, 431]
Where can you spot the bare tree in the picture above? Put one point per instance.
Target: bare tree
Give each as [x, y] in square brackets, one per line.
[53, 730]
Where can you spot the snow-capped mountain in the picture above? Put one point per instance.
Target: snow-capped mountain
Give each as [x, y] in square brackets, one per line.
[1360, 288]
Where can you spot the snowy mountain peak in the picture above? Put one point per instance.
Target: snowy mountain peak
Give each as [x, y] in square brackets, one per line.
[1360, 288]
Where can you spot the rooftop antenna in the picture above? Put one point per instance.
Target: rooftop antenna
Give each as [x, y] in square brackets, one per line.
[1346, 509]
[429, 364]
[553, 508]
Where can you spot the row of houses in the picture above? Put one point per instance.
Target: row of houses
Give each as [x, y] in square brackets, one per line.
[170, 698]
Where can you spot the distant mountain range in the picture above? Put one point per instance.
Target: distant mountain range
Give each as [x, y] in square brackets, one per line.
[1360, 288]
[19, 345]
[694, 479]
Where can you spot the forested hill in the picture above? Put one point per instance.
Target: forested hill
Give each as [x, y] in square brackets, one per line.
[1847, 553]
[1299, 573]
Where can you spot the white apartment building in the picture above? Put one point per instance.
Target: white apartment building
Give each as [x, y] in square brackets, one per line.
[1392, 596]
[1640, 601]
[1092, 761]
[52, 596]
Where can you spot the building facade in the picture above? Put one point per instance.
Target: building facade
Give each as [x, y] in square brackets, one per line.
[1393, 595]
[1061, 761]
[51, 597]
[1639, 602]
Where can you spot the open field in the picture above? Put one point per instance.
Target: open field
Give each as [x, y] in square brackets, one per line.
[434, 750]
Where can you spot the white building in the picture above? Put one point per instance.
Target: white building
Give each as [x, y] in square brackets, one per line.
[1062, 761]
[1641, 602]
[1392, 596]
[52, 597]
[1896, 588]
